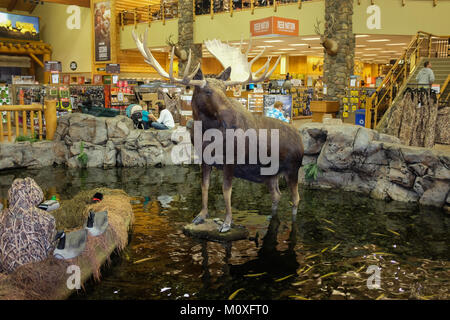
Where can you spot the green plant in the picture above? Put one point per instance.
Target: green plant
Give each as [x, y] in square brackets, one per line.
[311, 171]
[82, 157]
[31, 138]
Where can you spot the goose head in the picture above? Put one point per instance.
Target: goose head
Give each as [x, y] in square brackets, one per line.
[61, 236]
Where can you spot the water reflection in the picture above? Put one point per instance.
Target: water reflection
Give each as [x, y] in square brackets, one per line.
[322, 255]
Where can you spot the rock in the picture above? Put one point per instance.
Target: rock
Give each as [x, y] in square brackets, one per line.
[398, 193]
[363, 139]
[131, 158]
[388, 138]
[164, 137]
[152, 155]
[209, 230]
[419, 155]
[84, 127]
[308, 159]
[313, 139]
[421, 185]
[109, 160]
[146, 139]
[401, 176]
[119, 128]
[436, 195]
[419, 169]
[442, 172]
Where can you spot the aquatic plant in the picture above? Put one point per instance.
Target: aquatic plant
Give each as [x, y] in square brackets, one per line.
[82, 157]
[31, 138]
[311, 171]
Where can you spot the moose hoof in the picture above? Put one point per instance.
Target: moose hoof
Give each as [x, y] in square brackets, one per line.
[198, 220]
[224, 227]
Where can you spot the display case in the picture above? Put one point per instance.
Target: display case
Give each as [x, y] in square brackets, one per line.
[256, 102]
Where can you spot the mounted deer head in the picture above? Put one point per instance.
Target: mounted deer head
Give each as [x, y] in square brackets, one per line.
[180, 53]
[330, 45]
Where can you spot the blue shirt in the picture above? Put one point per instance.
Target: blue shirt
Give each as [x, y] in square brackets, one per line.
[277, 114]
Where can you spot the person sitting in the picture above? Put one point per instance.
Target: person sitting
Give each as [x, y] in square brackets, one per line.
[26, 232]
[277, 113]
[165, 120]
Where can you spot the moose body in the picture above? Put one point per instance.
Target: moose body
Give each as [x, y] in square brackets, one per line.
[215, 110]
[218, 113]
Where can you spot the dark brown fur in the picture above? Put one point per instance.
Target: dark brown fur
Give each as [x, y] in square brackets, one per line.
[215, 110]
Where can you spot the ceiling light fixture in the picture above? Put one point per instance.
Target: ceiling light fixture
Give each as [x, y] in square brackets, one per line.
[270, 41]
[378, 40]
[310, 39]
[297, 44]
[396, 44]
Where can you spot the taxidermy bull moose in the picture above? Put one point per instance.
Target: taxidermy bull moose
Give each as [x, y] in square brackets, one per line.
[214, 112]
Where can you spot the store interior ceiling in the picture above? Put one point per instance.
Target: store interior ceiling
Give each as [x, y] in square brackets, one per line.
[30, 5]
[368, 48]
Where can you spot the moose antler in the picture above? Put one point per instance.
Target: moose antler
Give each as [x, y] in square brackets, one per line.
[141, 43]
[241, 71]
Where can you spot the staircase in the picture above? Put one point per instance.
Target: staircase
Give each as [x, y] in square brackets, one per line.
[423, 47]
[440, 66]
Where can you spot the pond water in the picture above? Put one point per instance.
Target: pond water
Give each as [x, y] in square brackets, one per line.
[324, 254]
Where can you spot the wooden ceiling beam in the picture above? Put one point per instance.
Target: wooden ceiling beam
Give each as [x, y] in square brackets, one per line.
[12, 4]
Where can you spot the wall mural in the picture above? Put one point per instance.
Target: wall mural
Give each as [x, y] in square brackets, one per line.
[16, 26]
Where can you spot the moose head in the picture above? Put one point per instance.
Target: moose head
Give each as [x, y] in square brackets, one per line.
[330, 45]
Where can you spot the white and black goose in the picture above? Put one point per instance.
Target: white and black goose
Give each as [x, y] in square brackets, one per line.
[70, 244]
[97, 223]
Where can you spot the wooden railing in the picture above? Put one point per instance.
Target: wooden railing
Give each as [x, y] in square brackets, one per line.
[12, 117]
[423, 45]
[17, 117]
[443, 95]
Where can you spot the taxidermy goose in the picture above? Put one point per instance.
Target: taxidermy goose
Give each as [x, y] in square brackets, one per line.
[70, 245]
[97, 223]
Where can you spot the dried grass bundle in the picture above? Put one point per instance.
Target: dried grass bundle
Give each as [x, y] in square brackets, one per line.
[47, 279]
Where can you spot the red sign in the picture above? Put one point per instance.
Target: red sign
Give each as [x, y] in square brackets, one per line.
[274, 25]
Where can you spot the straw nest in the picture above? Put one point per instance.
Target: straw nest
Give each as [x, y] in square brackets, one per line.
[47, 279]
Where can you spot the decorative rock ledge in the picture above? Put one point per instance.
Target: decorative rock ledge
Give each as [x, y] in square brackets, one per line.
[358, 159]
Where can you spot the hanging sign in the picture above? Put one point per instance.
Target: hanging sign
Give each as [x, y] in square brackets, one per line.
[52, 66]
[113, 68]
[102, 27]
[274, 26]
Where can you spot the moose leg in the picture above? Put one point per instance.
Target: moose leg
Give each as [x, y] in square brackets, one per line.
[292, 181]
[206, 173]
[228, 172]
[272, 184]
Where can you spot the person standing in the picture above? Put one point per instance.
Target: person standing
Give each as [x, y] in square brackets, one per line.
[425, 77]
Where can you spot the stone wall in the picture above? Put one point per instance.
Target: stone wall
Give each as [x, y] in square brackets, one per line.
[357, 159]
[337, 69]
[108, 142]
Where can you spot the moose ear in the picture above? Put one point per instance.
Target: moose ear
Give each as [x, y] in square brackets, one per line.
[225, 75]
[198, 75]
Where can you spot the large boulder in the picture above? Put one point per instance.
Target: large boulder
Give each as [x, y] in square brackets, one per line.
[119, 128]
[84, 127]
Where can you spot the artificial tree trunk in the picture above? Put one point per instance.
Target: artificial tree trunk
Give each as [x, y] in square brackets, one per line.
[186, 34]
[338, 68]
